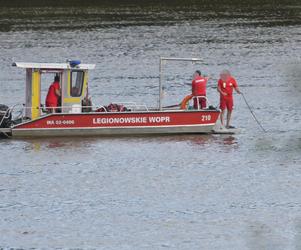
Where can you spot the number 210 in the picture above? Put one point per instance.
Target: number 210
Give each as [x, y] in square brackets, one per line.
[206, 118]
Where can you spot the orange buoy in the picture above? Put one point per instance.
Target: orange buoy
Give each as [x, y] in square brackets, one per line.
[185, 101]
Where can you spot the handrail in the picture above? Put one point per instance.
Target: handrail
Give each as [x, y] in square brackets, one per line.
[200, 97]
[5, 116]
[45, 107]
[94, 106]
[131, 104]
[134, 104]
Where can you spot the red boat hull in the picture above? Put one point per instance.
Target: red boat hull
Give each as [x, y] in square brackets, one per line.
[121, 123]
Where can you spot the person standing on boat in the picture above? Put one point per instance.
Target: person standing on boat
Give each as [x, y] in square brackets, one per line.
[53, 95]
[225, 87]
[199, 84]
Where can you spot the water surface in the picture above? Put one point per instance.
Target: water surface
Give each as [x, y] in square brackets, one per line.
[170, 192]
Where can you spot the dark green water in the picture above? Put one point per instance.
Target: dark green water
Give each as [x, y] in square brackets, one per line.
[178, 192]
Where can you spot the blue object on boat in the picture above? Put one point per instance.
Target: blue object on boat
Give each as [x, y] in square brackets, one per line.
[74, 63]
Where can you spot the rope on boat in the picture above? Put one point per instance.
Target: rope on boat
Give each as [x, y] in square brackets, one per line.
[172, 106]
[253, 114]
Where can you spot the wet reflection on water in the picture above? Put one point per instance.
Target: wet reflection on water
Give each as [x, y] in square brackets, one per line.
[200, 141]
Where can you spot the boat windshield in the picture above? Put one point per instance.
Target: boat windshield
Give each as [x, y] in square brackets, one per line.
[77, 80]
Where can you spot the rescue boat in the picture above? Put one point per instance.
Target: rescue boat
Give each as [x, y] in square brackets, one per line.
[77, 117]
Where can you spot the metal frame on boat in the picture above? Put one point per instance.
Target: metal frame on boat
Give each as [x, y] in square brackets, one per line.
[77, 118]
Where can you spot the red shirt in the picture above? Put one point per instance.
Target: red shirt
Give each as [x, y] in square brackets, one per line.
[52, 96]
[199, 86]
[227, 86]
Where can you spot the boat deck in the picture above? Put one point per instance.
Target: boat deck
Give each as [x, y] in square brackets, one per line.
[5, 130]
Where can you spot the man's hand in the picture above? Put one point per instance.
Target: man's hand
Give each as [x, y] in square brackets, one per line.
[238, 91]
[58, 92]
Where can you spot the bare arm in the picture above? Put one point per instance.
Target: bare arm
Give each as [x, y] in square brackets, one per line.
[237, 90]
[58, 92]
[235, 85]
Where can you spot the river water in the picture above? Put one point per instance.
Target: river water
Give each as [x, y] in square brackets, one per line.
[169, 192]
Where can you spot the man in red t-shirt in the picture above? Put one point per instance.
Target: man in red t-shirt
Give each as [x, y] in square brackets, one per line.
[225, 87]
[53, 95]
[199, 89]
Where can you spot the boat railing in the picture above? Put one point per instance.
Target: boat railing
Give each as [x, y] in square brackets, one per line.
[71, 109]
[9, 112]
[198, 98]
[49, 110]
[5, 115]
[134, 105]
[78, 109]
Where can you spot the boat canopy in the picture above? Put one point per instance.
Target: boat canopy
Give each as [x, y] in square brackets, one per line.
[73, 80]
[50, 66]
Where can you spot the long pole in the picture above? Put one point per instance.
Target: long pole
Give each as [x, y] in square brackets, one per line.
[162, 59]
[254, 116]
[160, 85]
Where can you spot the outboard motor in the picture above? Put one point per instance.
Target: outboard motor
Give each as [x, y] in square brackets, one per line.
[5, 116]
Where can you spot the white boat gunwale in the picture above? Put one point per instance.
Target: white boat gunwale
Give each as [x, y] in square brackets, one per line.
[113, 131]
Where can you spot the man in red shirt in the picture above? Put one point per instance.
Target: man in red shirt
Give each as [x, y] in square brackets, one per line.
[199, 89]
[225, 87]
[53, 95]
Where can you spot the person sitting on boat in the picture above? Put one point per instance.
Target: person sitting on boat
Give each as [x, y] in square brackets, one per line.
[53, 95]
[225, 87]
[199, 90]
